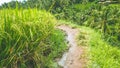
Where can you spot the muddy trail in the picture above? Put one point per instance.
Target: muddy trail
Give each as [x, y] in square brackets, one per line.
[73, 57]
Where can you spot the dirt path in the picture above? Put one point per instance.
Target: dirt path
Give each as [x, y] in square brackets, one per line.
[72, 58]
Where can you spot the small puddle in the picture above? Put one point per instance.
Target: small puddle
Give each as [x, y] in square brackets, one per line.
[71, 58]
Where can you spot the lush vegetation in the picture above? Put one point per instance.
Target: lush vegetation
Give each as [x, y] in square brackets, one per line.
[102, 54]
[104, 18]
[28, 38]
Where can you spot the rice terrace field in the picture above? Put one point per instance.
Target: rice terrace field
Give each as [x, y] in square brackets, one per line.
[59, 33]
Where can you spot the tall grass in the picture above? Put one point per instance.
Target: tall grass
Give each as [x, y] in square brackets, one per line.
[22, 37]
[102, 55]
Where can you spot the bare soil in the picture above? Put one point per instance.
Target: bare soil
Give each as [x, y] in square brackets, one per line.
[74, 57]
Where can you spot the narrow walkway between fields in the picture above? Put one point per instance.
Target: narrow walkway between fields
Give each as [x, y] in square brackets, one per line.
[73, 57]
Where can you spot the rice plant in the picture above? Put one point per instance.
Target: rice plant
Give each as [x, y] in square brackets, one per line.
[22, 33]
